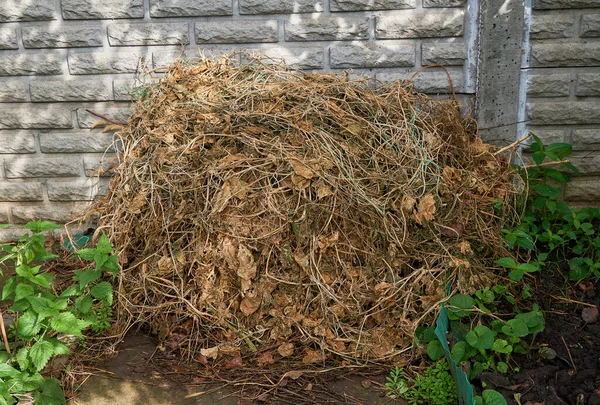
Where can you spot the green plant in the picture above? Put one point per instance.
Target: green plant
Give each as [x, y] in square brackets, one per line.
[396, 384]
[44, 319]
[480, 345]
[550, 228]
[490, 397]
[434, 386]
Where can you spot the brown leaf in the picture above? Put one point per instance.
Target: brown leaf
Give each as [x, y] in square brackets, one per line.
[229, 252]
[247, 266]
[306, 125]
[323, 190]
[311, 323]
[382, 287]
[112, 128]
[235, 362]
[135, 207]
[408, 204]
[301, 259]
[425, 210]
[286, 350]
[465, 248]
[237, 188]
[294, 375]
[230, 160]
[382, 344]
[338, 310]
[454, 231]
[301, 169]
[250, 303]
[99, 123]
[481, 147]
[312, 356]
[328, 241]
[210, 353]
[337, 345]
[299, 182]
[451, 174]
[264, 359]
[320, 331]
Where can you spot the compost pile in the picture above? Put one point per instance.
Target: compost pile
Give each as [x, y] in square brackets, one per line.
[256, 207]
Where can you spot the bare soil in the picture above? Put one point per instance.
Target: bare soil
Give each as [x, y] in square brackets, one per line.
[142, 374]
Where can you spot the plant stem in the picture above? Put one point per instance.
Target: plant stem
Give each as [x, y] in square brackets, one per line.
[4, 337]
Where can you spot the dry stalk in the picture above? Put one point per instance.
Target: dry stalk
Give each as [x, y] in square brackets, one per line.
[257, 206]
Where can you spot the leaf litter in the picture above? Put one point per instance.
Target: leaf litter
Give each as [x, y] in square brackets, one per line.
[256, 206]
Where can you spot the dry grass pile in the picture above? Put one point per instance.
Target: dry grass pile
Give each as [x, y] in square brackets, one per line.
[257, 207]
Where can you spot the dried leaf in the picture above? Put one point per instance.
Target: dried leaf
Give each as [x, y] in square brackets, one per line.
[235, 362]
[454, 231]
[299, 182]
[465, 248]
[250, 303]
[328, 241]
[228, 161]
[112, 128]
[301, 258]
[323, 190]
[247, 266]
[382, 345]
[451, 174]
[229, 252]
[425, 210]
[301, 169]
[382, 287]
[99, 123]
[294, 375]
[481, 147]
[210, 353]
[320, 331]
[311, 323]
[286, 350]
[265, 359]
[238, 188]
[408, 204]
[338, 310]
[137, 204]
[312, 356]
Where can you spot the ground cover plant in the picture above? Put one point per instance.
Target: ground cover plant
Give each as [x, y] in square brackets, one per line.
[49, 323]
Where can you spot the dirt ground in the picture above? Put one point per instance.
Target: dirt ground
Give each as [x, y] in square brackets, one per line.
[573, 376]
[138, 375]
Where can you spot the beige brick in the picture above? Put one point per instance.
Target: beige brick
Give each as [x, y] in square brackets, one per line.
[552, 26]
[588, 85]
[563, 112]
[583, 189]
[590, 26]
[548, 85]
[420, 25]
[59, 213]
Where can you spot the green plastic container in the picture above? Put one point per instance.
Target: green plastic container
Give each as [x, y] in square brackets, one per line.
[463, 386]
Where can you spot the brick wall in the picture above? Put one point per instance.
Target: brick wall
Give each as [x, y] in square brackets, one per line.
[563, 88]
[61, 57]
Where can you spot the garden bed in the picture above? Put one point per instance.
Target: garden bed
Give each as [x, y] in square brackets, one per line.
[563, 366]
